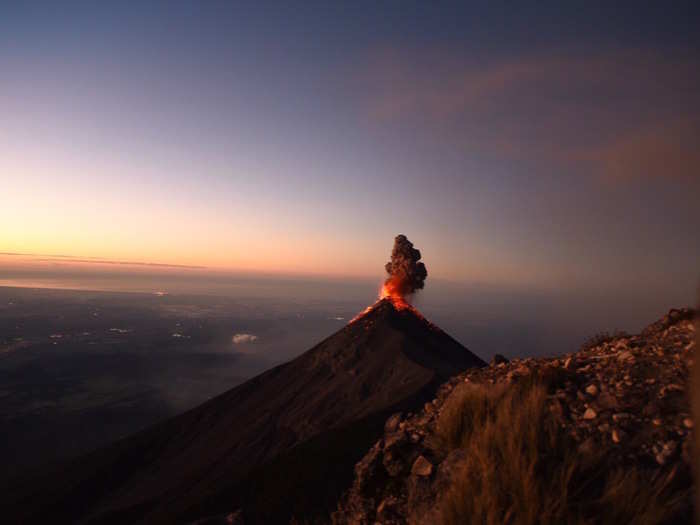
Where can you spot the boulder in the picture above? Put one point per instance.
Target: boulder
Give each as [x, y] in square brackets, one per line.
[422, 467]
[498, 359]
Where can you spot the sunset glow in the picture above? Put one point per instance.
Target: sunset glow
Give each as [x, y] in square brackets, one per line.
[509, 164]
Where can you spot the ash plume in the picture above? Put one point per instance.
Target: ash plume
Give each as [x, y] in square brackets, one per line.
[406, 274]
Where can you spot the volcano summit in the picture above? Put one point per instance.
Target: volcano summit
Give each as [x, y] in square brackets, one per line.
[281, 445]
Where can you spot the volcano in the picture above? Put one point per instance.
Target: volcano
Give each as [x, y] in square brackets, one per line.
[283, 444]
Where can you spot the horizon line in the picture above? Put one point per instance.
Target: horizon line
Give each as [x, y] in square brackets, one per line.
[43, 257]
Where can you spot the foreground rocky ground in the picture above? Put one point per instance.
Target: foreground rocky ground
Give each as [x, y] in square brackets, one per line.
[624, 394]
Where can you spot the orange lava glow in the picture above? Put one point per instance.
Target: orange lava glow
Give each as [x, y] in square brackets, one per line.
[389, 291]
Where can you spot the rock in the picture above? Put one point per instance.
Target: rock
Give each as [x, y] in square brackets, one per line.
[366, 469]
[625, 355]
[392, 424]
[621, 344]
[523, 370]
[592, 390]
[617, 435]
[656, 422]
[498, 359]
[386, 506]
[394, 439]
[422, 467]
[675, 315]
[665, 452]
[567, 363]
[396, 447]
[589, 414]
[607, 401]
[688, 423]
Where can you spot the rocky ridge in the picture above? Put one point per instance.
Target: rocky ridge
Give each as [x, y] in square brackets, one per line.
[625, 393]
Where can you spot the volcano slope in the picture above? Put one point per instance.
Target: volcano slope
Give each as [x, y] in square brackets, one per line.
[283, 444]
[602, 435]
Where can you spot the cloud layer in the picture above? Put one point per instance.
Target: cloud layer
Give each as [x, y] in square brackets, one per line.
[621, 114]
[238, 339]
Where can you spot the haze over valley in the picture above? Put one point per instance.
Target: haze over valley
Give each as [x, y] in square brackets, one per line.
[91, 357]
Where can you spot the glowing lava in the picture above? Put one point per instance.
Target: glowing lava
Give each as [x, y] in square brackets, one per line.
[389, 292]
[406, 276]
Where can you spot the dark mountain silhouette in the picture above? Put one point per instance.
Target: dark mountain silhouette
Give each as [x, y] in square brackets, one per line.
[282, 444]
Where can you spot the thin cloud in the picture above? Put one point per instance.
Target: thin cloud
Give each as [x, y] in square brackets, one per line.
[669, 151]
[238, 339]
[628, 114]
[97, 260]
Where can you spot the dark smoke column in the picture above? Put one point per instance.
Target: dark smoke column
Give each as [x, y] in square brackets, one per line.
[406, 274]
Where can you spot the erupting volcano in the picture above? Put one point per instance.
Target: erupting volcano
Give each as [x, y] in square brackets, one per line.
[406, 273]
[406, 276]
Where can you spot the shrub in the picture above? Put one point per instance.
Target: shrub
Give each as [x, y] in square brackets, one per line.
[520, 468]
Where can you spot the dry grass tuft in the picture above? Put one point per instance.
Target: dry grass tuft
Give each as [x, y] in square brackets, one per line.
[521, 469]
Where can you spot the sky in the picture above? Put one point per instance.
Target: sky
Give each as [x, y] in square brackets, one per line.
[542, 146]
